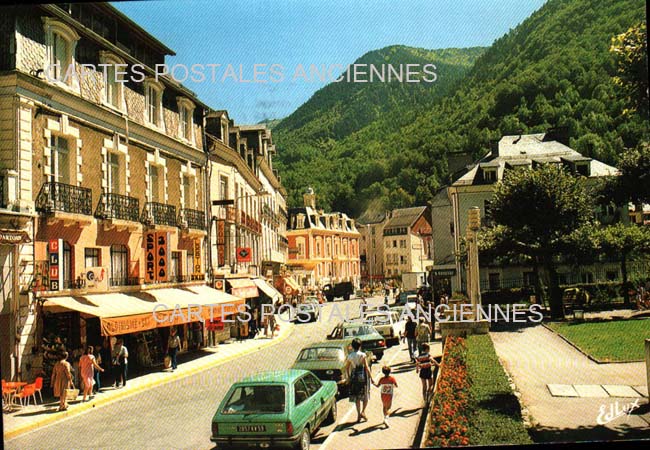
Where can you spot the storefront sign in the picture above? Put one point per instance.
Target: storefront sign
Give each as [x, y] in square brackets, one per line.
[150, 257]
[197, 257]
[444, 273]
[162, 273]
[14, 237]
[244, 254]
[55, 246]
[221, 243]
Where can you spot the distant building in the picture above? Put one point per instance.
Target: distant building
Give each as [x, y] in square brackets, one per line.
[476, 189]
[371, 227]
[640, 214]
[323, 247]
[407, 241]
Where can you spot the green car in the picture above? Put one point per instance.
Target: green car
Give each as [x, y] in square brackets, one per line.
[371, 340]
[274, 409]
[327, 361]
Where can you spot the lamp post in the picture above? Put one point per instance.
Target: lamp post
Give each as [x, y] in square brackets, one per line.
[473, 279]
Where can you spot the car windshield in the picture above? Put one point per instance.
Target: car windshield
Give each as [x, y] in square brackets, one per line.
[379, 319]
[359, 330]
[321, 354]
[259, 399]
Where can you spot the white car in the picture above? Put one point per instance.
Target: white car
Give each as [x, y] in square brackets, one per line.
[387, 323]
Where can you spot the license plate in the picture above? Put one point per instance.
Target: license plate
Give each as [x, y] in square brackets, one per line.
[251, 428]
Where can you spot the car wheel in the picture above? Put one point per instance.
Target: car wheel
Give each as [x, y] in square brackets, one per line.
[331, 417]
[305, 440]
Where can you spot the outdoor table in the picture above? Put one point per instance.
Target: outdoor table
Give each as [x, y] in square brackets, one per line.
[14, 387]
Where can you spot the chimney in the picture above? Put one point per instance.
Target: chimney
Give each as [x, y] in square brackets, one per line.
[309, 198]
[494, 147]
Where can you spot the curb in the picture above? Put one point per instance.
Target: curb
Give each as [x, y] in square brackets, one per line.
[597, 361]
[83, 407]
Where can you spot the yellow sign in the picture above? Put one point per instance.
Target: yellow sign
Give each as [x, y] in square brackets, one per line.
[197, 257]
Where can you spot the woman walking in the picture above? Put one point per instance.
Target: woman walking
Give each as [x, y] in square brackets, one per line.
[87, 366]
[360, 378]
[62, 380]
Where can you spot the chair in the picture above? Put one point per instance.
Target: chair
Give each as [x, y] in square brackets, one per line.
[38, 384]
[29, 390]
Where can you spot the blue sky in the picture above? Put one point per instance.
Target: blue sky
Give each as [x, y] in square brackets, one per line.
[293, 32]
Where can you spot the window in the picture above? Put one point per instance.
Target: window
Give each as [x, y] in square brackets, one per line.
[583, 169]
[489, 175]
[60, 159]
[66, 267]
[153, 98]
[394, 244]
[300, 391]
[154, 183]
[313, 384]
[91, 257]
[61, 42]
[494, 281]
[301, 250]
[175, 267]
[402, 243]
[114, 173]
[187, 191]
[119, 265]
[189, 262]
[402, 259]
[223, 189]
[113, 81]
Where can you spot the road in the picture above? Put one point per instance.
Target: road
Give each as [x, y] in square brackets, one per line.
[178, 414]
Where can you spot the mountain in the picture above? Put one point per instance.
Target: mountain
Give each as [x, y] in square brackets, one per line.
[360, 144]
[270, 123]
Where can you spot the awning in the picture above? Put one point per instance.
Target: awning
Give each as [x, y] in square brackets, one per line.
[269, 290]
[145, 310]
[289, 286]
[243, 287]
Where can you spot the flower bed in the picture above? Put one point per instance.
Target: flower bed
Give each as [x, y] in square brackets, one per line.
[449, 414]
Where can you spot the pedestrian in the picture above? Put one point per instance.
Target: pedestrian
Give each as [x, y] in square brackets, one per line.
[422, 334]
[356, 366]
[62, 380]
[409, 333]
[386, 299]
[87, 366]
[100, 363]
[423, 364]
[386, 385]
[272, 324]
[173, 346]
[120, 363]
[255, 321]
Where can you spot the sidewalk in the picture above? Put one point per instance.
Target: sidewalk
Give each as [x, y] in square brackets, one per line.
[404, 420]
[32, 417]
[538, 361]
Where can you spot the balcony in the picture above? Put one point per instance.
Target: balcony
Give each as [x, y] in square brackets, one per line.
[158, 214]
[125, 281]
[119, 211]
[65, 202]
[192, 222]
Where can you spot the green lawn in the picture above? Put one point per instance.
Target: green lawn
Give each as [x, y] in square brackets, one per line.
[618, 340]
[496, 415]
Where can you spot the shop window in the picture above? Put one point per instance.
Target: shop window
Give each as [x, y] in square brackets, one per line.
[91, 257]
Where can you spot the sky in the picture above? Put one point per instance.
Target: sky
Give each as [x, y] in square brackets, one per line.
[291, 33]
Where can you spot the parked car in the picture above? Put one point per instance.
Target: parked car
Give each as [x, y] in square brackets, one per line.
[327, 361]
[307, 312]
[388, 324]
[276, 409]
[370, 338]
[344, 290]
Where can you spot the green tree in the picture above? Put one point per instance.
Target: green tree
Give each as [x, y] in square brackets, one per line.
[540, 212]
[623, 241]
[633, 184]
[631, 52]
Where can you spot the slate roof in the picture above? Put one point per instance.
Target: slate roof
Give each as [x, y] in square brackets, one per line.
[405, 217]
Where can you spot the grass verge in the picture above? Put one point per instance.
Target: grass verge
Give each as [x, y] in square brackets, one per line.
[616, 340]
[496, 414]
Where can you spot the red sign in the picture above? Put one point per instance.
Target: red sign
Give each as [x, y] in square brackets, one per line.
[54, 246]
[162, 272]
[244, 254]
[150, 257]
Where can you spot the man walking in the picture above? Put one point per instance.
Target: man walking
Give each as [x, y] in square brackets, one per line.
[422, 335]
[173, 345]
[409, 334]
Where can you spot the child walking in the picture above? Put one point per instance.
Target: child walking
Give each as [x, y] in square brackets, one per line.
[386, 384]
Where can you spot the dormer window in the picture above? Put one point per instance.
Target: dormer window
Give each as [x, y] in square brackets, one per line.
[185, 119]
[153, 91]
[582, 168]
[490, 175]
[61, 43]
[113, 81]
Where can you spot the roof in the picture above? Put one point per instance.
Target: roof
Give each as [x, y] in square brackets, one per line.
[519, 150]
[277, 376]
[404, 217]
[337, 343]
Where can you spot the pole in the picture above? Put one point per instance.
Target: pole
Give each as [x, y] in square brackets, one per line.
[647, 365]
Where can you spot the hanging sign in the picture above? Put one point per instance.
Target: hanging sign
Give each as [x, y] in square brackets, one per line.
[150, 257]
[162, 271]
[197, 256]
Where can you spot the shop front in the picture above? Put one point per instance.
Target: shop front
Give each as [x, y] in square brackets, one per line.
[246, 289]
[142, 319]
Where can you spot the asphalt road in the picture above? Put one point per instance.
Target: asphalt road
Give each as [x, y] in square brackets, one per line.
[178, 414]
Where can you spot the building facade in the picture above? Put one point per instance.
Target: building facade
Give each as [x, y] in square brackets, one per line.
[371, 228]
[323, 247]
[407, 241]
[476, 188]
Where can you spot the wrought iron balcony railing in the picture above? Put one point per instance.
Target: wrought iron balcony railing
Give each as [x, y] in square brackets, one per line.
[116, 206]
[194, 218]
[124, 281]
[55, 196]
[159, 214]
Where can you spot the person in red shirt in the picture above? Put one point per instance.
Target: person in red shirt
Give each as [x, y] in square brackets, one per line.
[386, 385]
